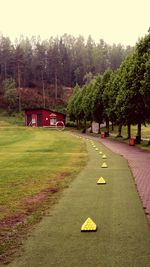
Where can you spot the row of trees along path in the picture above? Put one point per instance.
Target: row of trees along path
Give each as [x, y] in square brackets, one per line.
[121, 96]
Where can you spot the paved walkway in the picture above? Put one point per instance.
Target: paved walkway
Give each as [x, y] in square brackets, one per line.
[139, 162]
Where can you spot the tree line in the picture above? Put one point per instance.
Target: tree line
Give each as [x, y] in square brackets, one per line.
[121, 96]
[65, 61]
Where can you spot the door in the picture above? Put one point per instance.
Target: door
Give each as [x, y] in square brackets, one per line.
[39, 120]
[29, 120]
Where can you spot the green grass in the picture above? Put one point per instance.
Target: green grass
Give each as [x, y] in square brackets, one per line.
[122, 238]
[13, 120]
[34, 164]
[145, 130]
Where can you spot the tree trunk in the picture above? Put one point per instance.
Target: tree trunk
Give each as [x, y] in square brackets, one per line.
[19, 83]
[129, 131]
[43, 89]
[99, 128]
[138, 137]
[112, 126]
[119, 130]
[84, 129]
[56, 86]
[107, 125]
[79, 124]
[91, 127]
[5, 70]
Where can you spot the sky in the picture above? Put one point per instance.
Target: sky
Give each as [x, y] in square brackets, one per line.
[115, 21]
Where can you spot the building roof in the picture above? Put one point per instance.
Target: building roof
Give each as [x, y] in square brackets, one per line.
[31, 109]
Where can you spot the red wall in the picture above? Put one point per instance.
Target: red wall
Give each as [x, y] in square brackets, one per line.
[45, 116]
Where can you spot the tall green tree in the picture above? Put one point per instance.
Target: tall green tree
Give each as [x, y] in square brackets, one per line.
[6, 52]
[10, 93]
[97, 101]
[87, 102]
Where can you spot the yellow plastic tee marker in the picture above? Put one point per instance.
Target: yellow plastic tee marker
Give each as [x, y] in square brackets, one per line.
[88, 226]
[104, 165]
[101, 181]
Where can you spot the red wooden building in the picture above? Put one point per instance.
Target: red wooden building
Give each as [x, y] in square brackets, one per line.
[42, 117]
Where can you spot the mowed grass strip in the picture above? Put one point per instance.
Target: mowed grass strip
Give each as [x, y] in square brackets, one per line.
[35, 166]
[122, 238]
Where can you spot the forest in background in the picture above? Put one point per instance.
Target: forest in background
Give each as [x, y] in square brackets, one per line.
[42, 73]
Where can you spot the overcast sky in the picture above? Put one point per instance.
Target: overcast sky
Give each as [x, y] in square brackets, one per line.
[115, 21]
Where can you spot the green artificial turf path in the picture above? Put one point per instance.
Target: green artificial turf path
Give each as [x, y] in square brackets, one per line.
[122, 238]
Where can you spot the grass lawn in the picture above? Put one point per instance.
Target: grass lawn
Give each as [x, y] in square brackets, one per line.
[145, 134]
[145, 131]
[16, 120]
[35, 166]
[122, 238]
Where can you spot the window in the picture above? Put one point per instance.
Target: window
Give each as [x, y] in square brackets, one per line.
[52, 121]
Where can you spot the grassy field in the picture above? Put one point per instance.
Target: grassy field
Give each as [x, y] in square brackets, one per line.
[145, 131]
[122, 238]
[35, 166]
[13, 120]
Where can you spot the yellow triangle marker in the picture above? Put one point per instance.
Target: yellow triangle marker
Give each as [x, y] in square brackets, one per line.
[96, 148]
[104, 157]
[88, 226]
[104, 165]
[100, 152]
[101, 181]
